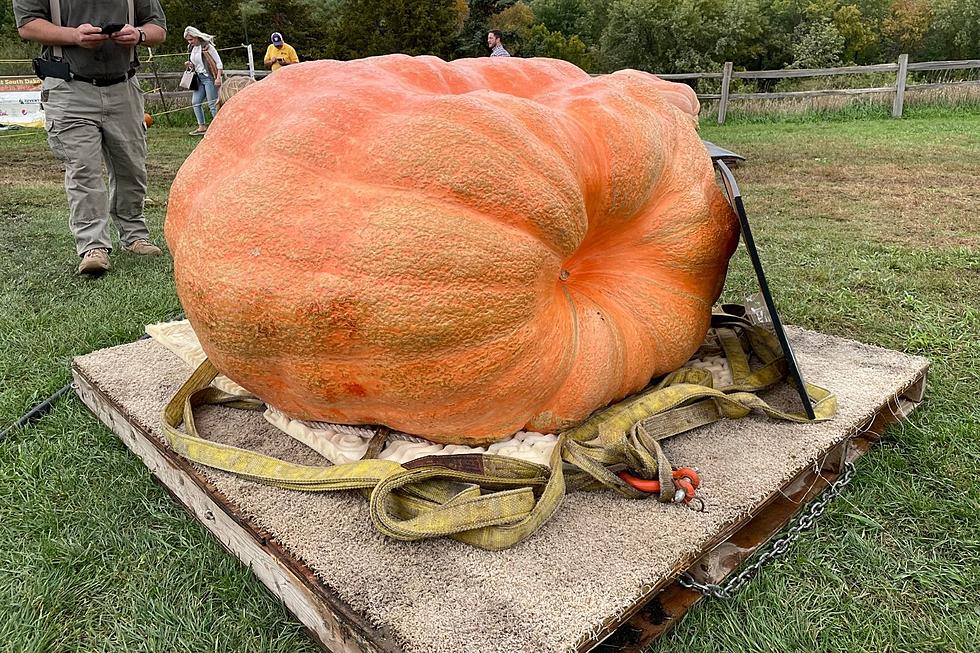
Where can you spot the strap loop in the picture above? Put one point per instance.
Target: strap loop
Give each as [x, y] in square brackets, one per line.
[494, 502]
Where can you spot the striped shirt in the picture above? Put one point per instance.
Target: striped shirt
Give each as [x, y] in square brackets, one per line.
[498, 51]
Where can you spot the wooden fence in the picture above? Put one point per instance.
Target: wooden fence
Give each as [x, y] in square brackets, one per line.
[167, 82]
[900, 68]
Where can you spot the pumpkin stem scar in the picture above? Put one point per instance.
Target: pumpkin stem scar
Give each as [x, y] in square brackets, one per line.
[563, 275]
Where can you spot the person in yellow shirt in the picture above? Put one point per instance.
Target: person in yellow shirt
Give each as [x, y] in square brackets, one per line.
[279, 53]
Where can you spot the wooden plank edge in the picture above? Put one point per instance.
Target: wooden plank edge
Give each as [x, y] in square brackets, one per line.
[664, 605]
[333, 624]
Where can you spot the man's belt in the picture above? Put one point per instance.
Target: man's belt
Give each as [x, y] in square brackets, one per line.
[103, 81]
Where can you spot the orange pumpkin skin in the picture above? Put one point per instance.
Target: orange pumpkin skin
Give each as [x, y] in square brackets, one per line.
[457, 250]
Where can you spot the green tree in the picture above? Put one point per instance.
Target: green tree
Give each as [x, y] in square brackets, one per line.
[680, 36]
[560, 15]
[860, 41]
[740, 26]
[905, 27]
[540, 42]
[585, 18]
[249, 9]
[954, 32]
[781, 19]
[817, 44]
[515, 22]
[363, 28]
[797, 31]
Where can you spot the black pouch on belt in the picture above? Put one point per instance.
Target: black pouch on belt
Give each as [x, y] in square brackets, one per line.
[51, 68]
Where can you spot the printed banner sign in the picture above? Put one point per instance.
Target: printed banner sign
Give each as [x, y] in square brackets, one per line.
[20, 102]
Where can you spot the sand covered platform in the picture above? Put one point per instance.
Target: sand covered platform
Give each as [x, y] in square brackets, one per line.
[603, 569]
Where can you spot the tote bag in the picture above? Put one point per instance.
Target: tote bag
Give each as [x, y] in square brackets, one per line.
[189, 80]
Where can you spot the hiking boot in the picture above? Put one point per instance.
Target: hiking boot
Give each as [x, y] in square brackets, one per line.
[94, 262]
[143, 247]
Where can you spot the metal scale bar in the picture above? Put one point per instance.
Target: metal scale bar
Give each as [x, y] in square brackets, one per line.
[719, 157]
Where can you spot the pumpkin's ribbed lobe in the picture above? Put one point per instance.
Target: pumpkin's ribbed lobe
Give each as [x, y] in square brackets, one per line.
[452, 250]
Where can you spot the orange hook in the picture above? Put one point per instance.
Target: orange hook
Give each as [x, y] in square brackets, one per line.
[685, 479]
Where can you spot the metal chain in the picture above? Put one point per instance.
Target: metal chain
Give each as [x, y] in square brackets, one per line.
[779, 546]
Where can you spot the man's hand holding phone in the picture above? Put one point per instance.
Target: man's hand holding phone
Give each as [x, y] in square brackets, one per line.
[89, 36]
[126, 35]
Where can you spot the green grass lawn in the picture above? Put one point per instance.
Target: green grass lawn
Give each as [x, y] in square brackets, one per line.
[868, 229]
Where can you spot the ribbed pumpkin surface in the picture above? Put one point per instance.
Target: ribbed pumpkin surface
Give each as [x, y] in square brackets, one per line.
[458, 250]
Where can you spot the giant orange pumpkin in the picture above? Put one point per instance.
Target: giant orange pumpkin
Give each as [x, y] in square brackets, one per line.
[457, 250]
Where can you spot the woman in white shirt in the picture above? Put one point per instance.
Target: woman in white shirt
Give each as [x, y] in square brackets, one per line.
[204, 60]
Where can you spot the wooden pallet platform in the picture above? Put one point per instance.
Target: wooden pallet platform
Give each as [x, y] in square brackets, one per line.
[669, 601]
[337, 626]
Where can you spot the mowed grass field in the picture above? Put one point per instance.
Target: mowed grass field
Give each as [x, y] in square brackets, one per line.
[868, 229]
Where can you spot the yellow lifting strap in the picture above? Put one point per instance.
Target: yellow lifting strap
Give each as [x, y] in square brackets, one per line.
[494, 502]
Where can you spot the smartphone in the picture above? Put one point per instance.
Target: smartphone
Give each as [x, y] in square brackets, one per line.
[112, 28]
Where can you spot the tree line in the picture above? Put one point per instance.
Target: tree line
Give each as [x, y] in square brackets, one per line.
[598, 35]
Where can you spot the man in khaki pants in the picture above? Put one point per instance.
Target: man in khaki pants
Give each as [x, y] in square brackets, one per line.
[96, 116]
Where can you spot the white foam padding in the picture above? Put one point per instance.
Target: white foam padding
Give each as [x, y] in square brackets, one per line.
[342, 443]
[179, 338]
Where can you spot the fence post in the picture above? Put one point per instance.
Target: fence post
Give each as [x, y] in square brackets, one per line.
[726, 79]
[251, 62]
[899, 103]
[156, 75]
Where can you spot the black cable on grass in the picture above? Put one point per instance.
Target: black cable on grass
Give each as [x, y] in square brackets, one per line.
[37, 412]
[43, 408]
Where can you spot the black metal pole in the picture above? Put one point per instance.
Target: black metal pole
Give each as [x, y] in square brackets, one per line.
[37, 412]
[43, 408]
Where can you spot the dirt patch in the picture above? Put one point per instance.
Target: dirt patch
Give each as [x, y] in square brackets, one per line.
[924, 203]
[30, 165]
